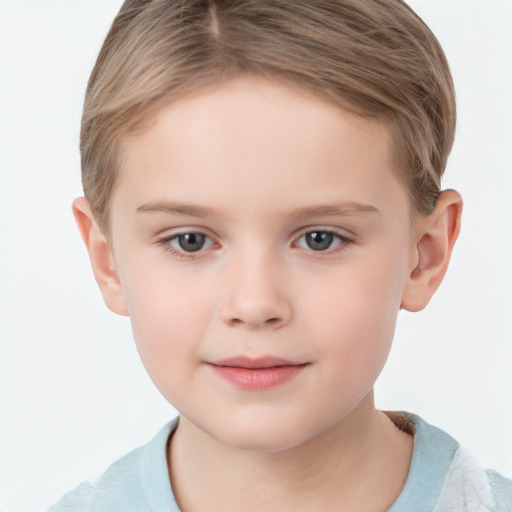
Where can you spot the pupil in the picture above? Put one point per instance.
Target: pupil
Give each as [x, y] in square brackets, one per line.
[191, 242]
[319, 240]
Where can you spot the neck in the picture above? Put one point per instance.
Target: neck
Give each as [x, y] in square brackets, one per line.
[361, 463]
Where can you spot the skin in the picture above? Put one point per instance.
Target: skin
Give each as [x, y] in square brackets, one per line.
[263, 164]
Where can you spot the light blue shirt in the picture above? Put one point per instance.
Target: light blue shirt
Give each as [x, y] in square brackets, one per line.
[139, 481]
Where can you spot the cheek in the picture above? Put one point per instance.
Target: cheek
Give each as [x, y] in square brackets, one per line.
[355, 314]
[169, 315]
[162, 299]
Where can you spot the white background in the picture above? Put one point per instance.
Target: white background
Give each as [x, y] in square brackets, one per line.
[74, 395]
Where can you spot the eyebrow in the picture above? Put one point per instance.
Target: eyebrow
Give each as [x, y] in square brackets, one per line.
[345, 208]
[324, 210]
[177, 208]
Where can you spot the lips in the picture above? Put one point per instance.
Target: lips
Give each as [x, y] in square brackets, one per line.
[259, 362]
[257, 374]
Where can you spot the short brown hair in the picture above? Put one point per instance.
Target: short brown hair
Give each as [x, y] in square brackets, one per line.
[376, 58]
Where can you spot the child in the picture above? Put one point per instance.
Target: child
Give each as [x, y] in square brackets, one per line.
[262, 196]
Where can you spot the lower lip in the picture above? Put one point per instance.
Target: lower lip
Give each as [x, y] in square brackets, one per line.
[256, 379]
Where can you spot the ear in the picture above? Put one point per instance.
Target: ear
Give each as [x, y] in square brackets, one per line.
[434, 240]
[100, 254]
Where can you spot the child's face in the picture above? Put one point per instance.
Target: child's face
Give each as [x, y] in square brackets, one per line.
[301, 248]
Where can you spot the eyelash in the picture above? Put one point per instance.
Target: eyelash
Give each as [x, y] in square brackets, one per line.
[165, 242]
[343, 241]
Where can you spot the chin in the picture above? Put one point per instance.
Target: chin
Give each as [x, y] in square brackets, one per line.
[267, 442]
[260, 434]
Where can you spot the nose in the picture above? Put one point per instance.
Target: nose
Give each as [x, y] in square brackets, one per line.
[256, 296]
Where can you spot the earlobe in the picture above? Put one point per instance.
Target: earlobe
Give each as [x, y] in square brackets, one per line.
[100, 255]
[435, 239]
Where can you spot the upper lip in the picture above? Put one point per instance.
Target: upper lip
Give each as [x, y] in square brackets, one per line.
[258, 362]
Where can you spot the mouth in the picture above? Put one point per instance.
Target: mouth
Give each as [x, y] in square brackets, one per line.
[257, 374]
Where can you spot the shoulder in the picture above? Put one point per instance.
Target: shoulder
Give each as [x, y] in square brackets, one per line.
[118, 487]
[444, 477]
[469, 488]
[138, 481]
[501, 489]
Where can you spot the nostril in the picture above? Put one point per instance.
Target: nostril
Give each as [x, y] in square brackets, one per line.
[269, 322]
[265, 312]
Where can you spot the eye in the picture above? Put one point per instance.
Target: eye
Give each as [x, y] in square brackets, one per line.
[191, 242]
[183, 244]
[319, 240]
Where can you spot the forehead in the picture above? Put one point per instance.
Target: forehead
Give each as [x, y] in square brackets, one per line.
[262, 144]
